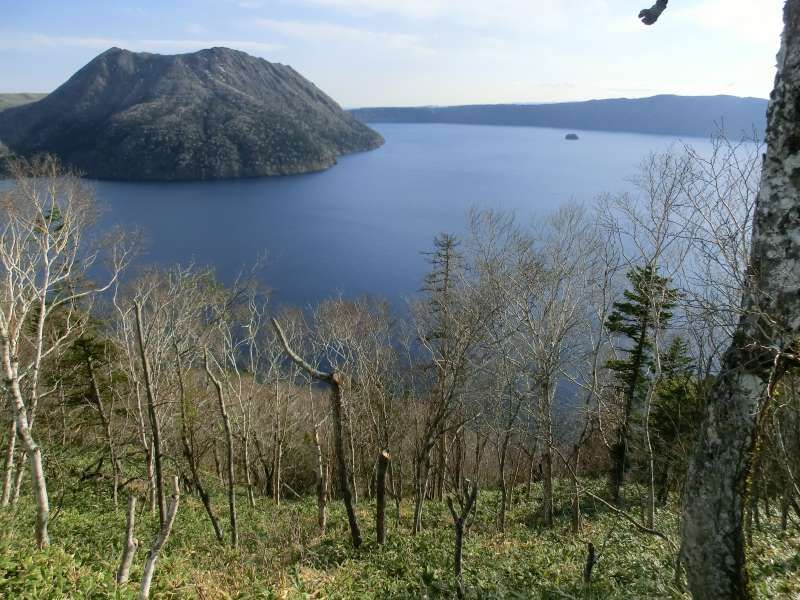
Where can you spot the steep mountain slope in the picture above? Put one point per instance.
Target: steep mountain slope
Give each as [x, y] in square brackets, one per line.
[211, 114]
[668, 115]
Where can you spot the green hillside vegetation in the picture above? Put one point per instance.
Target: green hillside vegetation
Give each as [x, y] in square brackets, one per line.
[282, 555]
[9, 100]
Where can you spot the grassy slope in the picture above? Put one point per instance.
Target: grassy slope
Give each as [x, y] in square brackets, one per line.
[281, 555]
[9, 100]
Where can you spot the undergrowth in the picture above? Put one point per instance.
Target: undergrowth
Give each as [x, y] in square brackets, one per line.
[281, 554]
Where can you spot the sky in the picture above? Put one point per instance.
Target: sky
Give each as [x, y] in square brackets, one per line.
[420, 52]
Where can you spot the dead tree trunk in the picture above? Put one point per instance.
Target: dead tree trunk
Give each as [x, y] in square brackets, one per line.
[159, 541]
[322, 512]
[151, 411]
[251, 498]
[576, 493]
[503, 481]
[590, 560]
[226, 423]
[459, 521]
[131, 543]
[763, 345]
[547, 463]
[105, 420]
[380, 496]
[189, 454]
[335, 381]
[422, 466]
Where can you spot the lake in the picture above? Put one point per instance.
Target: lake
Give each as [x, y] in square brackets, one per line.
[361, 226]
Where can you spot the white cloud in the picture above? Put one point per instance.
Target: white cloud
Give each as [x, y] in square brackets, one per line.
[341, 34]
[754, 20]
[510, 14]
[195, 29]
[201, 44]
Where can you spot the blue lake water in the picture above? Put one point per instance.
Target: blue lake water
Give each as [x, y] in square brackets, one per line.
[361, 226]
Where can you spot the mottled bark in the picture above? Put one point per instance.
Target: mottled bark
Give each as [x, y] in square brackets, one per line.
[22, 460]
[719, 472]
[159, 542]
[8, 470]
[33, 452]
[130, 544]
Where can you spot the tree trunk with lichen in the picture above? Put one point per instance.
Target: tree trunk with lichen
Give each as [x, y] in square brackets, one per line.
[763, 346]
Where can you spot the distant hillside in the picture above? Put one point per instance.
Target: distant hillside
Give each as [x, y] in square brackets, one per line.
[9, 100]
[211, 114]
[667, 115]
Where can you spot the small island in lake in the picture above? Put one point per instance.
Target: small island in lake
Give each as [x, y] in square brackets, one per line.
[571, 136]
[212, 114]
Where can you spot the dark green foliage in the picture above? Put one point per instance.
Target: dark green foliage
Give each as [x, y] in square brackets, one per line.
[647, 308]
[676, 415]
[441, 283]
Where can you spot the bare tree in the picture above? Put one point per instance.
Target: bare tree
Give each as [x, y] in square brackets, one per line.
[45, 256]
[335, 380]
[155, 426]
[226, 423]
[466, 501]
[160, 541]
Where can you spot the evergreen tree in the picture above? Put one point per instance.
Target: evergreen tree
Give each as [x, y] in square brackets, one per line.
[676, 415]
[440, 283]
[646, 309]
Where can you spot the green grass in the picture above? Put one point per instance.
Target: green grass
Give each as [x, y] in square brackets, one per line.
[282, 556]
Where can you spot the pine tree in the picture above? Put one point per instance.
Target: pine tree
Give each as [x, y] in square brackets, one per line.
[645, 310]
[446, 265]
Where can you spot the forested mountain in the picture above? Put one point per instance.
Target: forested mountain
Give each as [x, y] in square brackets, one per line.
[211, 114]
[666, 114]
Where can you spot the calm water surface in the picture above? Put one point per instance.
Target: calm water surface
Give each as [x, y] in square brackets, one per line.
[361, 226]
